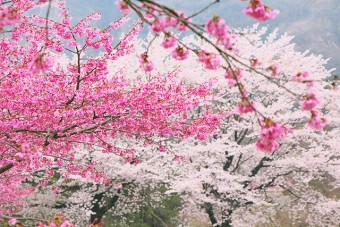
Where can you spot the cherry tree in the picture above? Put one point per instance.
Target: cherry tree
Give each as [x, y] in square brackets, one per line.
[58, 94]
[224, 178]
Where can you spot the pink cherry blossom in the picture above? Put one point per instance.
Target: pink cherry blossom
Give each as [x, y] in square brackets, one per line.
[310, 83]
[210, 61]
[171, 22]
[309, 102]
[66, 223]
[180, 53]
[259, 11]
[300, 76]
[12, 221]
[162, 148]
[169, 41]
[150, 10]
[43, 183]
[8, 17]
[274, 69]
[202, 136]
[254, 62]
[50, 173]
[179, 158]
[123, 7]
[233, 76]
[158, 25]
[217, 27]
[181, 26]
[41, 63]
[146, 65]
[56, 190]
[267, 145]
[246, 106]
[270, 132]
[118, 185]
[228, 43]
[317, 122]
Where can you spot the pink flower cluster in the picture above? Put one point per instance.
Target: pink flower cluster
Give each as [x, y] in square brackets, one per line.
[317, 122]
[210, 61]
[217, 28]
[245, 106]
[178, 158]
[270, 132]
[233, 76]
[162, 148]
[161, 23]
[259, 11]
[180, 53]
[301, 77]
[158, 25]
[123, 7]
[309, 103]
[8, 17]
[12, 221]
[254, 62]
[81, 102]
[274, 69]
[41, 63]
[179, 22]
[146, 65]
[169, 41]
[118, 185]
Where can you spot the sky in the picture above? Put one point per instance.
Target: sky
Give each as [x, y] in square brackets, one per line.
[314, 23]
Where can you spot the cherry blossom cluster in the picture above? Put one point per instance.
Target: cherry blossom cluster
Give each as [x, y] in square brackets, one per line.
[8, 17]
[218, 29]
[271, 132]
[259, 11]
[79, 102]
[51, 104]
[160, 20]
[233, 76]
[210, 61]
[161, 23]
[169, 40]
[146, 64]
[310, 102]
[246, 106]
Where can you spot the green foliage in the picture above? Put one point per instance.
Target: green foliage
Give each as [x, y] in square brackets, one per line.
[154, 214]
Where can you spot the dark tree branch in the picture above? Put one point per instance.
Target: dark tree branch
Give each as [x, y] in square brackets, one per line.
[210, 211]
[260, 165]
[229, 161]
[6, 167]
